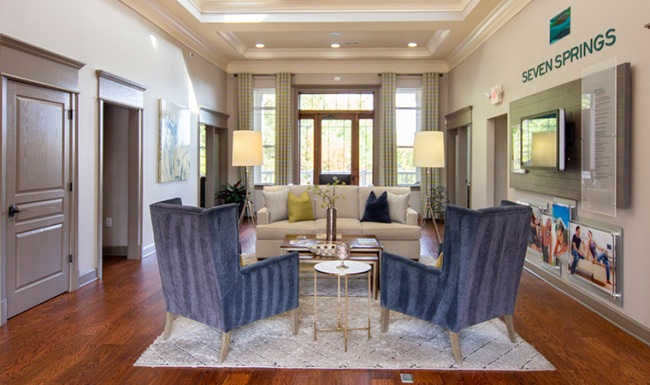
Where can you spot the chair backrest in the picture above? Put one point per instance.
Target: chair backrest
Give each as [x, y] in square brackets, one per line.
[198, 259]
[484, 252]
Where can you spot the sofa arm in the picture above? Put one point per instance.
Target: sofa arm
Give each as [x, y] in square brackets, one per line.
[411, 217]
[263, 216]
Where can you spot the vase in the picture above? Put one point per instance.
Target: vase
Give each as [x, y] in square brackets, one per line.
[330, 224]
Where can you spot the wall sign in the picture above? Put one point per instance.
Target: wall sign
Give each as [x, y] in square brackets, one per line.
[573, 54]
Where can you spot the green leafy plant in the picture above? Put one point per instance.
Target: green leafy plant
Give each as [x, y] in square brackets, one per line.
[232, 193]
[329, 195]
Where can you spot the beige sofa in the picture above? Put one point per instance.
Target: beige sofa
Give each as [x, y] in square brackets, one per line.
[396, 237]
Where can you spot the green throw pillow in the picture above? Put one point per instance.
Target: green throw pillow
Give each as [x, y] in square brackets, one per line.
[299, 208]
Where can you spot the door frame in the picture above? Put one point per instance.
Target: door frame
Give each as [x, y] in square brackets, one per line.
[122, 92]
[216, 125]
[458, 123]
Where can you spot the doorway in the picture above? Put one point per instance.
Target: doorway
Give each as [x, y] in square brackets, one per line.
[213, 161]
[121, 104]
[498, 159]
[459, 158]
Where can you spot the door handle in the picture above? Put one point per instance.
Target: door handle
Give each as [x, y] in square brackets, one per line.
[13, 210]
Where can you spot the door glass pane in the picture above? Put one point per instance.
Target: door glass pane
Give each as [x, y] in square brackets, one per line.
[306, 151]
[365, 152]
[336, 146]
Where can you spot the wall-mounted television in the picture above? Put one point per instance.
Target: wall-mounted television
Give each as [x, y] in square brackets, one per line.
[326, 178]
[543, 140]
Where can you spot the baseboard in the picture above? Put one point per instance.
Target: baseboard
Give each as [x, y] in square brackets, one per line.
[617, 318]
[149, 250]
[88, 277]
[115, 250]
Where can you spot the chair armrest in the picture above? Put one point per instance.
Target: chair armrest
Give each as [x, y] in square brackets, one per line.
[273, 283]
[411, 217]
[406, 285]
[263, 216]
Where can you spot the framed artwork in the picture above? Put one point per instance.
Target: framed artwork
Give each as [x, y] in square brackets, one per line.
[593, 256]
[549, 238]
[562, 216]
[535, 234]
[174, 142]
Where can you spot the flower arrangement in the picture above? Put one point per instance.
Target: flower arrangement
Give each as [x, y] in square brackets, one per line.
[329, 195]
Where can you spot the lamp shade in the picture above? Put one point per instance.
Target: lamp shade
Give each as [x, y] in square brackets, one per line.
[246, 148]
[429, 149]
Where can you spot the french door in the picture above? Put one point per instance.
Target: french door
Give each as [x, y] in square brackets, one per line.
[336, 144]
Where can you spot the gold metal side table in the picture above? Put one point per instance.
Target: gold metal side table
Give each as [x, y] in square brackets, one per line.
[334, 268]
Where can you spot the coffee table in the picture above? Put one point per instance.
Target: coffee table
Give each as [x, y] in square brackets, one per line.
[363, 248]
[334, 268]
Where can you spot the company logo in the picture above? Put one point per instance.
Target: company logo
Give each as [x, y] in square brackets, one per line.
[560, 26]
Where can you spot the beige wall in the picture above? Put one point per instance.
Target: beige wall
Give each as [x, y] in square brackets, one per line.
[522, 44]
[109, 36]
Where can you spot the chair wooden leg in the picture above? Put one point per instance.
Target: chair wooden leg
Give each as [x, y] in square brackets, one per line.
[295, 322]
[168, 325]
[455, 347]
[225, 344]
[385, 315]
[511, 328]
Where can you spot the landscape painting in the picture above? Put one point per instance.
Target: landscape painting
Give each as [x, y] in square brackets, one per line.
[174, 139]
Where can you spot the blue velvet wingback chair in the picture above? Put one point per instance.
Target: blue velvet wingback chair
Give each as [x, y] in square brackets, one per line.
[483, 257]
[198, 258]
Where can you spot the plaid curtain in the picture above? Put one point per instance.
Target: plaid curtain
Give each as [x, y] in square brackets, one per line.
[388, 137]
[245, 86]
[430, 122]
[283, 129]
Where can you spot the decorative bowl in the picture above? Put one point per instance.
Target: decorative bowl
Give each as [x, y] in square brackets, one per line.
[324, 249]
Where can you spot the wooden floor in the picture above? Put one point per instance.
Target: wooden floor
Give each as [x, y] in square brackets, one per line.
[94, 335]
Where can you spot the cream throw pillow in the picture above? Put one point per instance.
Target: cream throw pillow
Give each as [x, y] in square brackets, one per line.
[397, 205]
[276, 203]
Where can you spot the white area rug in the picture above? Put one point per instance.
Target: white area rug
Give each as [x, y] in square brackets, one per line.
[409, 343]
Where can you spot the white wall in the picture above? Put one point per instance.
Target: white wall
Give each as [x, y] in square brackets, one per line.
[107, 35]
[522, 44]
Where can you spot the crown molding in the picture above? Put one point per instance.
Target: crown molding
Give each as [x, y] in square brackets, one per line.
[491, 24]
[157, 15]
[337, 53]
[337, 66]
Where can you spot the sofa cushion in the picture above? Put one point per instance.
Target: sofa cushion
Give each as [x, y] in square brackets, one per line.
[376, 208]
[391, 231]
[299, 208]
[397, 205]
[276, 203]
[277, 230]
[364, 192]
[347, 226]
[346, 207]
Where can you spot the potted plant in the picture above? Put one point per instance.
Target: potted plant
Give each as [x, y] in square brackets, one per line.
[232, 193]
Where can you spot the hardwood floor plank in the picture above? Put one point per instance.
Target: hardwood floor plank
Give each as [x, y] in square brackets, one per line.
[94, 335]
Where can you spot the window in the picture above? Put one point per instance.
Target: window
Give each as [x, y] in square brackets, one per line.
[407, 103]
[264, 120]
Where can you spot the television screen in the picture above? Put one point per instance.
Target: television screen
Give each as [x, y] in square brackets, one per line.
[331, 178]
[542, 140]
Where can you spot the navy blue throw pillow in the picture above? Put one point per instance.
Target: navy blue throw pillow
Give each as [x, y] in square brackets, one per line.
[376, 208]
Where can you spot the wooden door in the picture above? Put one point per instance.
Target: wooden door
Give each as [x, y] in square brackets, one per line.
[37, 191]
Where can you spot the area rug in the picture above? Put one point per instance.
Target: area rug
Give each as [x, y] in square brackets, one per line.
[409, 343]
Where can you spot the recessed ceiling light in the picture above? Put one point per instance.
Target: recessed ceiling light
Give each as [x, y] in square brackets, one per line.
[335, 45]
[413, 45]
[259, 45]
